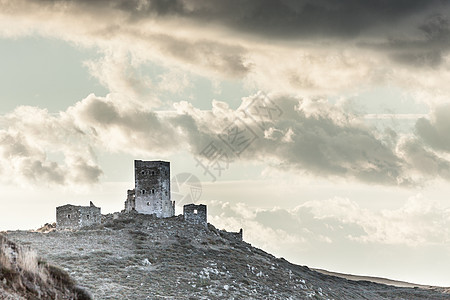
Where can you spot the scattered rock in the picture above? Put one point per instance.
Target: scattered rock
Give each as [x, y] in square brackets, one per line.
[190, 261]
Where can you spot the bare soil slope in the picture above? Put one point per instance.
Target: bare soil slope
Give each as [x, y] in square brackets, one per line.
[141, 257]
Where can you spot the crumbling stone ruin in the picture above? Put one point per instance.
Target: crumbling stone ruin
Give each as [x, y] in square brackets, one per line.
[151, 194]
[130, 203]
[195, 214]
[236, 236]
[74, 217]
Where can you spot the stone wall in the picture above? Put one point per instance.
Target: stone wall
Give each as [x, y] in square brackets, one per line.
[152, 188]
[233, 236]
[74, 217]
[195, 214]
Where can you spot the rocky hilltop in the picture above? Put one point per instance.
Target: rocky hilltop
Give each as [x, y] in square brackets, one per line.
[133, 256]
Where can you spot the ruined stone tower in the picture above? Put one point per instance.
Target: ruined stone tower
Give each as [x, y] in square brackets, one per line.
[152, 189]
[195, 214]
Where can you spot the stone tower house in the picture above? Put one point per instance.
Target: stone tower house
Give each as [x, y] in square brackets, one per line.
[73, 217]
[152, 189]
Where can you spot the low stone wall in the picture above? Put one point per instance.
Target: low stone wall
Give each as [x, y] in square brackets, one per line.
[234, 236]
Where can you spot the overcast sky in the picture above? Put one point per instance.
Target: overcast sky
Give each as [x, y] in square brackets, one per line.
[319, 127]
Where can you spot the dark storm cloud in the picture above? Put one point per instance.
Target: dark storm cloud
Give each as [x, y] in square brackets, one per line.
[329, 143]
[311, 137]
[278, 18]
[414, 33]
[429, 49]
[310, 18]
[226, 58]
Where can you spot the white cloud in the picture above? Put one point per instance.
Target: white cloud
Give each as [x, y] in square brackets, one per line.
[124, 128]
[418, 221]
[116, 71]
[31, 136]
[292, 134]
[175, 82]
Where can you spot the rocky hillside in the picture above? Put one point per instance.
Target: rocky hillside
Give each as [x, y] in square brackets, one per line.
[23, 276]
[141, 257]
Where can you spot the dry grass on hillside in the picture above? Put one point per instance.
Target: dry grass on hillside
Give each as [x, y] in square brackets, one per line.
[22, 274]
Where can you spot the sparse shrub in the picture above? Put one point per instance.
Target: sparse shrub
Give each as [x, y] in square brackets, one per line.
[82, 294]
[139, 235]
[27, 260]
[142, 251]
[135, 260]
[61, 276]
[115, 225]
[215, 241]
[5, 256]
[203, 282]
[17, 260]
[7, 273]
[100, 253]
[184, 240]
[33, 278]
